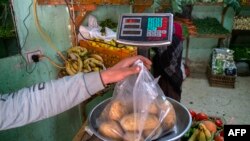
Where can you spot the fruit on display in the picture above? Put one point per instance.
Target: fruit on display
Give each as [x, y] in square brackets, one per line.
[192, 112]
[111, 51]
[218, 138]
[219, 122]
[111, 45]
[201, 116]
[204, 128]
[210, 125]
[79, 60]
[241, 23]
[201, 133]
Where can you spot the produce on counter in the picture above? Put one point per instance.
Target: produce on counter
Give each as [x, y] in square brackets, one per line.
[79, 60]
[111, 45]
[209, 26]
[219, 122]
[188, 26]
[201, 116]
[111, 51]
[241, 23]
[205, 128]
[211, 126]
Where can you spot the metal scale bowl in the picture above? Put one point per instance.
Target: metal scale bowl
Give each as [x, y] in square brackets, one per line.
[183, 123]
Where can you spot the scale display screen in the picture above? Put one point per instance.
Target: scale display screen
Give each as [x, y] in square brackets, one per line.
[145, 29]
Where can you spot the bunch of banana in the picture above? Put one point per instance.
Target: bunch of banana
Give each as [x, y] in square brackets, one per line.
[80, 61]
[73, 64]
[62, 73]
[94, 62]
[81, 51]
[201, 134]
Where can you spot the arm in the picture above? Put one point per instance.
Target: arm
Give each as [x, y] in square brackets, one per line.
[48, 99]
[44, 100]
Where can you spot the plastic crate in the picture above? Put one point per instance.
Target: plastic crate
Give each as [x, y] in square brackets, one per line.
[220, 80]
[110, 56]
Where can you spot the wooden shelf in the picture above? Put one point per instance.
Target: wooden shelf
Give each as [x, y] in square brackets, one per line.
[210, 28]
[81, 8]
[220, 37]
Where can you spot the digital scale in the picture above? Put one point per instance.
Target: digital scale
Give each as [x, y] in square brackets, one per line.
[145, 29]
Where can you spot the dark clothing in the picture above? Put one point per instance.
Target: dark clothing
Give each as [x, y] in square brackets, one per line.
[167, 64]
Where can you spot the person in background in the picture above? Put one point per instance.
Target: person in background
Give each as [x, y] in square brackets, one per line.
[167, 64]
[47, 99]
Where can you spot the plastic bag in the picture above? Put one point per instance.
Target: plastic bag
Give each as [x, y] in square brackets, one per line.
[92, 22]
[109, 34]
[223, 62]
[138, 110]
[83, 33]
[93, 31]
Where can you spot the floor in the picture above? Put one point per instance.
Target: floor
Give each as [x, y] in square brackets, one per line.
[232, 104]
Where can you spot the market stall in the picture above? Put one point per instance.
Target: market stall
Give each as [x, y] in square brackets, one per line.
[71, 41]
[134, 30]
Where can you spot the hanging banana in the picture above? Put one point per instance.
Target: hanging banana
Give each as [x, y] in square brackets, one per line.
[73, 64]
[81, 51]
[68, 68]
[80, 61]
[96, 56]
[92, 64]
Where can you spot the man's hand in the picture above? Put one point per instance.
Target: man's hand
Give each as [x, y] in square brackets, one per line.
[123, 69]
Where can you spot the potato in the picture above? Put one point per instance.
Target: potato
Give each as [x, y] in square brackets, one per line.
[133, 136]
[117, 110]
[111, 129]
[134, 122]
[170, 119]
[153, 109]
[155, 135]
